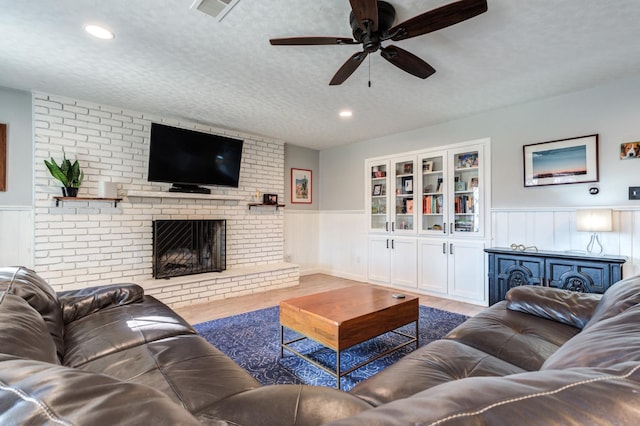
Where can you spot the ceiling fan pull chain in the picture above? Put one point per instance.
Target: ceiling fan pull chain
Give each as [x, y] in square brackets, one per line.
[369, 70]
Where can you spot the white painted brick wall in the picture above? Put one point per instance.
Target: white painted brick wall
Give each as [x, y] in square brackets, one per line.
[84, 243]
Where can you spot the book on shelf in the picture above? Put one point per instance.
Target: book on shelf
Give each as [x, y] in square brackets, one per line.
[431, 204]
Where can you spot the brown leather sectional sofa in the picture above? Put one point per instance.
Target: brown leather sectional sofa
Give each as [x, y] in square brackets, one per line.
[112, 355]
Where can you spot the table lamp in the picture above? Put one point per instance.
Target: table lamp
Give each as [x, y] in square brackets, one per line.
[594, 221]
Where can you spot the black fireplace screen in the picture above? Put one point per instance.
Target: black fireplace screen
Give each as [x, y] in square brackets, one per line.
[185, 247]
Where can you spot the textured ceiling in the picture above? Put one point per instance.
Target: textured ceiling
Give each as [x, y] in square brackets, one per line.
[172, 60]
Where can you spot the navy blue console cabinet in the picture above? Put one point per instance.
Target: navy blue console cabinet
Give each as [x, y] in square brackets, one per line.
[584, 273]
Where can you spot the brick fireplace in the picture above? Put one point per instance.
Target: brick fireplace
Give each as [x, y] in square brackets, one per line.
[84, 243]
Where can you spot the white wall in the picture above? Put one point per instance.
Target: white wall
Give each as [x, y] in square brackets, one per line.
[16, 211]
[15, 112]
[541, 216]
[611, 110]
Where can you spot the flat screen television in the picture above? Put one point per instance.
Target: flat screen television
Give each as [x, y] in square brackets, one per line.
[187, 159]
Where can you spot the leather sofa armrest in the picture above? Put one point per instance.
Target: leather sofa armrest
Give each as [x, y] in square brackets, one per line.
[568, 307]
[76, 304]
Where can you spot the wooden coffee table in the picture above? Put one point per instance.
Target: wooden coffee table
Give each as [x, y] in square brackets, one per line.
[342, 318]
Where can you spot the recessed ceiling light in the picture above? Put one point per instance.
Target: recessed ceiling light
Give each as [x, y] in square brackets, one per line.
[99, 32]
[345, 114]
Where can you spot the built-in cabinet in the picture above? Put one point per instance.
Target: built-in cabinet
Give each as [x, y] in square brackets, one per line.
[427, 212]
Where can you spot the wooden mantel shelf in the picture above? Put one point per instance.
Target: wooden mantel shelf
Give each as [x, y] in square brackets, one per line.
[115, 201]
[166, 194]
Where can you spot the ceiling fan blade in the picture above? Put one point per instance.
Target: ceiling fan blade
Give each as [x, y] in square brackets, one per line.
[439, 18]
[348, 68]
[366, 10]
[407, 61]
[306, 41]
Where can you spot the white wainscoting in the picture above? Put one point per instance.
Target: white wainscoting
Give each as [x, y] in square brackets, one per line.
[329, 242]
[301, 239]
[555, 229]
[16, 236]
[343, 244]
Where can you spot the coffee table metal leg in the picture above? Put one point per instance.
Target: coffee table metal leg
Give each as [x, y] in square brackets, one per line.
[338, 368]
[281, 341]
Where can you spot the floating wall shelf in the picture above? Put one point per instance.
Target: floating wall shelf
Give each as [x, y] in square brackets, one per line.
[277, 206]
[115, 201]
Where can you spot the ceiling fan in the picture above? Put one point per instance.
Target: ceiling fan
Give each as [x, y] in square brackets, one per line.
[372, 20]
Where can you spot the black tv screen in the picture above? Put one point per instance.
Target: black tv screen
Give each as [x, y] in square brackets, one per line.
[187, 158]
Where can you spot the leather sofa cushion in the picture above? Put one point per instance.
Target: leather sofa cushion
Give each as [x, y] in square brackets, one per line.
[285, 405]
[23, 332]
[186, 368]
[438, 362]
[520, 339]
[80, 303]
[117, 328]
[568, 307]
[569, 397]
[27, 284]
[604, 344]
[37, 393]
[618, 298]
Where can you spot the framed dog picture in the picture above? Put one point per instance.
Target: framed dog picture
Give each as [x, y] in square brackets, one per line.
[630, 150]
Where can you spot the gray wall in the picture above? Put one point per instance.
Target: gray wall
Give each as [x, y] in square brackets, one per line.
[611, 110]
[301, 158]
[15, 112]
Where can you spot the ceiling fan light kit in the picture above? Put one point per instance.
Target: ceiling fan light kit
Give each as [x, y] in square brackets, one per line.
[372, 23]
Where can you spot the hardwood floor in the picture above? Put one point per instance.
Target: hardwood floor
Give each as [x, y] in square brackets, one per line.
[309, 284]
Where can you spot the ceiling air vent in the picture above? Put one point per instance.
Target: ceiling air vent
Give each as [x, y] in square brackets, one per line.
[216, 8]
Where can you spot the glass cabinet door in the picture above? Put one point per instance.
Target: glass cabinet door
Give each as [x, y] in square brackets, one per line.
[466, 192]
[404, 200]
[378, 216]
[433, 189]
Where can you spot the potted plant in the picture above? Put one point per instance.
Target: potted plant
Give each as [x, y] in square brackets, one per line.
[69, 174]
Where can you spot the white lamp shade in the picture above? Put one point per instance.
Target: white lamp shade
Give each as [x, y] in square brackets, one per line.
[597, 220]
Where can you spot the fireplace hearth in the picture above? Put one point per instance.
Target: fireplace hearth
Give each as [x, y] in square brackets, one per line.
[186, 247]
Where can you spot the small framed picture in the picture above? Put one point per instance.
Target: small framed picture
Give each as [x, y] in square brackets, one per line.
[407, 185]
[270, 199]
[377, 189]
[473, 182]
[301, 186]
[427, 166]
[408, 168]
[630, 150]
[409, 206]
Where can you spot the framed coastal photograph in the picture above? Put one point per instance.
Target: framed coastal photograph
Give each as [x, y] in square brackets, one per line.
[560, 162]
[3, 157]
[301, 190]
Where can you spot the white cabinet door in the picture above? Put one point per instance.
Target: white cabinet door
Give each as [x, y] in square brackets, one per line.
[467, 270]
[378, 195]
[379, 261]
[432, 265]
[403, 262]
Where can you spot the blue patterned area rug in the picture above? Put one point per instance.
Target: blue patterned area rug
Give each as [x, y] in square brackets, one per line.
[252, 340]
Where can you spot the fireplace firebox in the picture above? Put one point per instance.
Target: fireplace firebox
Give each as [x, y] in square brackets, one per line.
[185, 247]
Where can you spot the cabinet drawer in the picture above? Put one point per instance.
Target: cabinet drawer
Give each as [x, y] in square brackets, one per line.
[585, 277]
